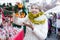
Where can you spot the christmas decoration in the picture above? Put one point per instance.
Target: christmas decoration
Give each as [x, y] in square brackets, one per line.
[13, 15]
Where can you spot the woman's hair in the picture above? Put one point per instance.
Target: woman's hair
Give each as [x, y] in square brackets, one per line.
[35, 4]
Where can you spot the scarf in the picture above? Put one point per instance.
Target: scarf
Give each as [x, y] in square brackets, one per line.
[32, 17]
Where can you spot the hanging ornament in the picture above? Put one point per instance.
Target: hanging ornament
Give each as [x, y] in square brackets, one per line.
[17, 14]
[22, 15]
[20, 5]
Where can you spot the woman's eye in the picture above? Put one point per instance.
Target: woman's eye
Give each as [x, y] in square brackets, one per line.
[32, 8]
[36, 8]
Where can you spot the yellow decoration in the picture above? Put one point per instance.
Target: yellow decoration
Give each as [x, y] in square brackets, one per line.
[17, 15]
[20, 15]
[20, 5]
[33, 16]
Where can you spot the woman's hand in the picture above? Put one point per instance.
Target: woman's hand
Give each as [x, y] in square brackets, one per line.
[29, 25]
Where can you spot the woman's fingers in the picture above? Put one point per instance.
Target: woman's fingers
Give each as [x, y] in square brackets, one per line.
[26, 24]
[29, 25]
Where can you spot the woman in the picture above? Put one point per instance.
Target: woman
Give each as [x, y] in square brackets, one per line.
[36, 24]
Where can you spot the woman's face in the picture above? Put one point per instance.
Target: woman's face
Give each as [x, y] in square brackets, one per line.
[34, 9]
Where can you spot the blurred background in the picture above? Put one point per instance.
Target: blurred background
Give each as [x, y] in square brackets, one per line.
[52, 12]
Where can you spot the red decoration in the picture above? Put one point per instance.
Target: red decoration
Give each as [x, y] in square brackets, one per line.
[20, 35]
